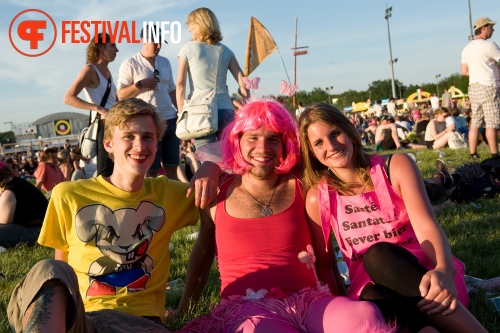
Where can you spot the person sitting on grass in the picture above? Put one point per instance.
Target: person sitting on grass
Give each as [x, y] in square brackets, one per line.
[371, 130]
[436, 133]
[386, 136]
[397, 254]
[47, 173]
[65, 163]
[76, 157]
[259, 228]
[110, 236]
[22, 208]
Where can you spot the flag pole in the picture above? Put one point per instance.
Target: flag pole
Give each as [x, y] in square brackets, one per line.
[294, 100]
[295, 54]
[247, 59]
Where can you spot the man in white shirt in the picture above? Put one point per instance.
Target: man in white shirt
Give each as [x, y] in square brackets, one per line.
[378, 108]
[434, 102]
[391, 107]
[148, 76]
[299, 110]
[479, 62]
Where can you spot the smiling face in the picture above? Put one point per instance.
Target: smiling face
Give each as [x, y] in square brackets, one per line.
[133, 146]
[332, 147]
[263, 149]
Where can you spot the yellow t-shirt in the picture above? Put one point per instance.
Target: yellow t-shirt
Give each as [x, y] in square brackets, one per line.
[118, 241]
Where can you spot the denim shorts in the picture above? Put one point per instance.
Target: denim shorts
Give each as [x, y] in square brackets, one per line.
[168, 147]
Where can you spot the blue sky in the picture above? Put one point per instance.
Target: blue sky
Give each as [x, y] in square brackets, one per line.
[348, 44]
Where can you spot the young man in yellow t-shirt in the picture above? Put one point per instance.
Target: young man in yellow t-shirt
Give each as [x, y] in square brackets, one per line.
[111, 239]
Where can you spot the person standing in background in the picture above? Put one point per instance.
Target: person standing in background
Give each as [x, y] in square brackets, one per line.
[148, 76]
[94, 79]
[299, 110]
[434, 102]
[479, 63]
[391, 107]
[446, 99]
[199, 59]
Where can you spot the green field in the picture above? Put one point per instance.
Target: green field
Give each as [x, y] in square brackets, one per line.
[473, 233]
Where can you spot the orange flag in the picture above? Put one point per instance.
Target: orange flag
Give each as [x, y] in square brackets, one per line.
[260, 45]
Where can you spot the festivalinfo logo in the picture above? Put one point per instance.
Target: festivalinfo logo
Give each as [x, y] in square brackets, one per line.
[33, 32]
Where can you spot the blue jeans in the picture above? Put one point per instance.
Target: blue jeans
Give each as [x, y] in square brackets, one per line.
[224, 117]
[13, 234]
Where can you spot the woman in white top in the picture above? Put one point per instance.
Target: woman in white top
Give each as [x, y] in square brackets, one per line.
[93, 79]
[199, 59]
[436, 133]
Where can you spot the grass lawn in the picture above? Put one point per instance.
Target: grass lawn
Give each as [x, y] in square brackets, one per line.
[473, 232]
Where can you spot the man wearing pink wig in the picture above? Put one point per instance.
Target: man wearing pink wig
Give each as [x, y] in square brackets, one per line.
[265, 244]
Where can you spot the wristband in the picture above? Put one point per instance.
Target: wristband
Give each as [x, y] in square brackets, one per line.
[138, 85]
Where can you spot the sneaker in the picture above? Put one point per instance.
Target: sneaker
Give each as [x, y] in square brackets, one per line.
[474, 157]
[442, 168]
[401, 147]
[444, 174]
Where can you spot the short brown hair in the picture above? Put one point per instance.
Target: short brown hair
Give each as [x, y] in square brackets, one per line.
[127, 108]
[46, 154]
[441, 110]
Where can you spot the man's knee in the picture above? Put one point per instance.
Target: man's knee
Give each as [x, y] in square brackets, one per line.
[44, 276]
[52, 268]
[50, 308]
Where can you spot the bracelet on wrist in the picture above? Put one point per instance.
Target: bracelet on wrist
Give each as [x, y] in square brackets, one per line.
[138, 85]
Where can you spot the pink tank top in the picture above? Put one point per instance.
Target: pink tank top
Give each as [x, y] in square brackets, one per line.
[359, 221]
[262, 252]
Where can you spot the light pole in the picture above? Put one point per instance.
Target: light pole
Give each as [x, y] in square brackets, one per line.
[437, 83]
[471, 37]
[388, 14]
[328, 91]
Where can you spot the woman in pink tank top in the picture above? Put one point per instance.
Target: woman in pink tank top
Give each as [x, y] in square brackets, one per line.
[398, 256]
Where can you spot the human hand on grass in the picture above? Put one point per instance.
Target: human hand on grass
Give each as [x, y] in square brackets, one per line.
[437, 287]
[171, 315]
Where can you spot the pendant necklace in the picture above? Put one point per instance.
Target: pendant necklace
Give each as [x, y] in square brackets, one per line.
[266, 209]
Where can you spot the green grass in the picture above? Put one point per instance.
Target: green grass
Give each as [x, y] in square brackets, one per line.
[473, 234]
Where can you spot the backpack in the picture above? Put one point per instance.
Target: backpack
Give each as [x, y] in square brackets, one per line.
[88, 139]
[476, 183]
[492, 165]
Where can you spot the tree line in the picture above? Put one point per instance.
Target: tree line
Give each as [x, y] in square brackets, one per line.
[379, 89]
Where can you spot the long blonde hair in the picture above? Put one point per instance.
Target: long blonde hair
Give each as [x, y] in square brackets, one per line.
[204, 24]
[314, 170]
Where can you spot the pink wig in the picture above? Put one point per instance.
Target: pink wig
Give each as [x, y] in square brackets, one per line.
[274, 117]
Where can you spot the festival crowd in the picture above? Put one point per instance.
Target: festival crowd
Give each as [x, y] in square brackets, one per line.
[282, 184]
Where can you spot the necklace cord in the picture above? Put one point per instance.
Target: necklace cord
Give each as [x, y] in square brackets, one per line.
[270, 198]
